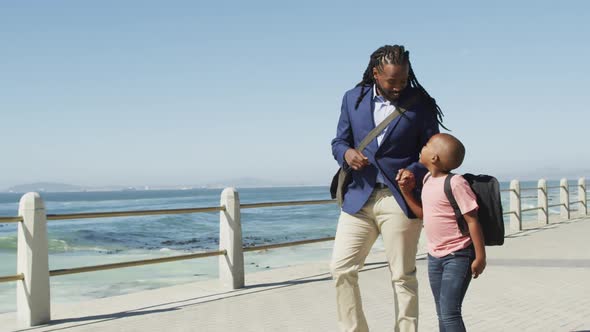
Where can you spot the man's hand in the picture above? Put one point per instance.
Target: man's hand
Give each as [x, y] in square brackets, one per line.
[477, 267]
[355, 159]
[405, 180]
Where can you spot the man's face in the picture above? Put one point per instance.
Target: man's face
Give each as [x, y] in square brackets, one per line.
[391, 80]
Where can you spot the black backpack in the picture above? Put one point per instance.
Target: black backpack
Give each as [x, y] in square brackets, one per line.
[489, 214]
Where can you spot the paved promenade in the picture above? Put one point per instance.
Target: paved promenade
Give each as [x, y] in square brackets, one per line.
[538, 281]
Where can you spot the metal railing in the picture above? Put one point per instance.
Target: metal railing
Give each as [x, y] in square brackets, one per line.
[231, 267]
[6, 220]
[96, 215]
[93, 268]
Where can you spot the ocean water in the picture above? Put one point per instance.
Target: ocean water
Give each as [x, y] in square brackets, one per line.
[75, 243]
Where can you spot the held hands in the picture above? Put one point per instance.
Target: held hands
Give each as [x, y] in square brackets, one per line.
[477, 267]
[355, 159]
[405, 180]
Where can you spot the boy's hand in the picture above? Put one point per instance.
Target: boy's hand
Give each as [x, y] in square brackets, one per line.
[405, 180]
[477, 267]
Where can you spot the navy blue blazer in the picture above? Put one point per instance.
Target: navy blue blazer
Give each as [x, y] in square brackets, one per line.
[400, 148]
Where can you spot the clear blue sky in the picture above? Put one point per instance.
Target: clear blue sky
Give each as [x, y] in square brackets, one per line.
[187, 92]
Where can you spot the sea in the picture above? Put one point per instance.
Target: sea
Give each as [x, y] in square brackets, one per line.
[84, 242]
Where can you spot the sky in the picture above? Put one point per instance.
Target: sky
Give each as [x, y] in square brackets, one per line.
[137, 93]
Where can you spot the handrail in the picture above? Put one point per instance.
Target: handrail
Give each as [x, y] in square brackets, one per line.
[532, 188]
[286, 203]
[287, 244]
[554, 187]
[93, 215]
[15, 277]
[134, 263]
[531, 209]
[164, 259]
[510, 190]
[102, 267]
[7, 220]
[94, 268]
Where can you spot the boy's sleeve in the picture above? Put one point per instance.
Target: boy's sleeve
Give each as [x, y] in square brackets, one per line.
[464, 196]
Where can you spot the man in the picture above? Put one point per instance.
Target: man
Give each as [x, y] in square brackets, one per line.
[373, 203]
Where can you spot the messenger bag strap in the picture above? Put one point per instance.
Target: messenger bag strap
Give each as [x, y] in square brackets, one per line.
[377, 130]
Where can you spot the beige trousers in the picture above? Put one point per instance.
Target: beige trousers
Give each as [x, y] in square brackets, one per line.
[354, 238]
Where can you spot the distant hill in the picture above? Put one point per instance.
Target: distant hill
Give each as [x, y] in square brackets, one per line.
[44, 187]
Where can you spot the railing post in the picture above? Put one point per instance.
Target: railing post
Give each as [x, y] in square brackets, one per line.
[231, 265]
[582, 196]
[32, 294]
[515, 216]
[564, 199]
[543, 202]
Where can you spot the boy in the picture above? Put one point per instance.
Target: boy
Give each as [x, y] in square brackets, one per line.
[453, 258]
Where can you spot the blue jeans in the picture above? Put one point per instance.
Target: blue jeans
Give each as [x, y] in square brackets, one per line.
[449, 278]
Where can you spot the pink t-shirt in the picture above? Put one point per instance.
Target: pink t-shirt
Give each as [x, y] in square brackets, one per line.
[440, 224]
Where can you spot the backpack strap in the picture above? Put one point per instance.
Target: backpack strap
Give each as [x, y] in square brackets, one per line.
[461, 223]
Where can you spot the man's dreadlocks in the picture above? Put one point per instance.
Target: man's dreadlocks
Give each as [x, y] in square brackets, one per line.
[394, 55]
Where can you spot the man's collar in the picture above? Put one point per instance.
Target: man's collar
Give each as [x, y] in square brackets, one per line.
[378, 98]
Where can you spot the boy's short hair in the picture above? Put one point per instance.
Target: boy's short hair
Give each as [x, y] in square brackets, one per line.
[451, 151]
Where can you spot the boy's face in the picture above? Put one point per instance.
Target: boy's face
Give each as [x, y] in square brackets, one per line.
[428, 152]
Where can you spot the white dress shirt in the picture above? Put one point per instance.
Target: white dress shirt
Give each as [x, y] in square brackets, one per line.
[383, 108]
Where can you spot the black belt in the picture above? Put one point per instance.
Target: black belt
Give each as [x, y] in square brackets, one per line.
[380, 185]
